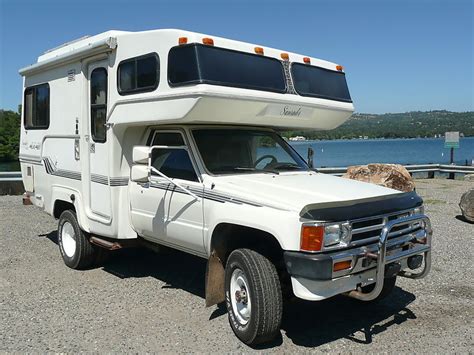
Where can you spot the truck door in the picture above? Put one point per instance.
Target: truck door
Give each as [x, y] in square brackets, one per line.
[162, 211]
[99, 189]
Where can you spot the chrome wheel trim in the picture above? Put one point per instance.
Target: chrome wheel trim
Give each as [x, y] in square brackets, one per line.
[240, 296]
[68, 239]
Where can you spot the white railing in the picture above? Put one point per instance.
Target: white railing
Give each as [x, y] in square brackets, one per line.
[418, 168]
[8, 176]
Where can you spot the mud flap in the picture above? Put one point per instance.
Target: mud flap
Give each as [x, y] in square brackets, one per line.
[215, 275]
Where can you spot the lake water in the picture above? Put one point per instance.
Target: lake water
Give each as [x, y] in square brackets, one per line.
[10, 166]
[336, 153]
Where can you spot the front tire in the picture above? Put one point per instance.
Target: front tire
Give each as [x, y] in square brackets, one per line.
[253, 296]
[77, 252]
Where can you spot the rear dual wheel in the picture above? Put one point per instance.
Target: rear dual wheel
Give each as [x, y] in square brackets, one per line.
[253, 296]
[74, 245]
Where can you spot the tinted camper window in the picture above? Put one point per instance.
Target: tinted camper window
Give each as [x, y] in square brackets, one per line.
[139, 74]
[98, 104]
[36, 110]
[200, 64]
[320, 82]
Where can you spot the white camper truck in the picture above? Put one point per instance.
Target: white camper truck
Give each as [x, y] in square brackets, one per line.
[170, 137]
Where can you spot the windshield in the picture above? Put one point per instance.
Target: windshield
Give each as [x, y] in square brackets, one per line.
[227, 151]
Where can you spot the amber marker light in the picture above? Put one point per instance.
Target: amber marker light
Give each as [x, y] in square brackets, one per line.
[208, 41]
[259, 50]
[182, 40]
[285, 56]
[311, 238]
[342, 265]
[307, 60]
[339, 67]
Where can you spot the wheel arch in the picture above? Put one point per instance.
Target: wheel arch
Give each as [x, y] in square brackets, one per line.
[65, 198]
[225, 238]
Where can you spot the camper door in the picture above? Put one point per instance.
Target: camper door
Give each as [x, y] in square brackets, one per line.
[100, 203]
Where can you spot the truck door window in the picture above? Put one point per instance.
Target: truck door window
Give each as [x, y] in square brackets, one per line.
[98, 84]
[174, 163]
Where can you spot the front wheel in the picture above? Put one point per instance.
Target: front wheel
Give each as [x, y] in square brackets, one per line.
[253, 296]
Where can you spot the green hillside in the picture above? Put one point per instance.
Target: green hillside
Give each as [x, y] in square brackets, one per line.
[397, 125]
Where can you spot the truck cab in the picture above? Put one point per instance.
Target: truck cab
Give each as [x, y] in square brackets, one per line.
[172, 138]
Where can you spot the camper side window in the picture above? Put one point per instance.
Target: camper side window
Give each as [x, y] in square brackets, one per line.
[139, 74]
[98, 84]
[36, 110]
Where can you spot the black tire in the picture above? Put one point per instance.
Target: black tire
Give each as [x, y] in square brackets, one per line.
[264, 294]
[81, 254]
[388, 286]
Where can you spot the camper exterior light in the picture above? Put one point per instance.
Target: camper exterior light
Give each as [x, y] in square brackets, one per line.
[258, 50]
[208, 41]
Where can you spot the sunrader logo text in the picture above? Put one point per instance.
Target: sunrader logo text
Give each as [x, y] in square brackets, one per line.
[287, 111]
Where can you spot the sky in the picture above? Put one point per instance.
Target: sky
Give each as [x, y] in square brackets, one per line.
[405, 55]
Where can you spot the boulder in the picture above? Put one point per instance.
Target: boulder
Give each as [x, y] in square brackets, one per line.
[467, 205]
[469, 177]
[394, 176]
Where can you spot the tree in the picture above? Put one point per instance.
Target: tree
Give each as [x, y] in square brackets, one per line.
[9, 135]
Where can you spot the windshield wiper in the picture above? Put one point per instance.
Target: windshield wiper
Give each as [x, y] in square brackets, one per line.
[290, 166]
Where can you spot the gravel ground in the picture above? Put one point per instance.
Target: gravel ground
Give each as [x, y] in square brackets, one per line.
[141, 301]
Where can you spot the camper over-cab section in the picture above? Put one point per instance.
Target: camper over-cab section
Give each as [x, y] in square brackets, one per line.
[187, 73]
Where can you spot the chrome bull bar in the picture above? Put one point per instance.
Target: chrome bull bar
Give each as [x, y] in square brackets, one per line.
[382, 259]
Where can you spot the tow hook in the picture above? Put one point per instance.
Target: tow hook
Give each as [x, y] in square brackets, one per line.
[369, 258]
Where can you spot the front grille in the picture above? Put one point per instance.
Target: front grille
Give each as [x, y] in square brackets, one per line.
[371, 227]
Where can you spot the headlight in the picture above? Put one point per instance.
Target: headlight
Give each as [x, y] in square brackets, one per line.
[419, 210]
[317, 237]
[332, 235]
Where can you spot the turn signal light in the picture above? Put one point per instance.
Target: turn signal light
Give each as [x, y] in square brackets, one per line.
[208, 41]
[285, 56]
[342, 265]
[182, 40]
[259, 50]
[307, 60]
[311, 238]
[339, 67]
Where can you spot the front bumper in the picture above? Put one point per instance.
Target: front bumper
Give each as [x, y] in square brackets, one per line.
[314, 278]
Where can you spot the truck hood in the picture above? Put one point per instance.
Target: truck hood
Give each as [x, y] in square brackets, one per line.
[295, 191]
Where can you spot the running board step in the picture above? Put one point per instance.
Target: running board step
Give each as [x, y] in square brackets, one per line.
[105, 243]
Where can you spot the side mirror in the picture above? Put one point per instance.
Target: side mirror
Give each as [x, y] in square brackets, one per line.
[141, 154]
[140, 173]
